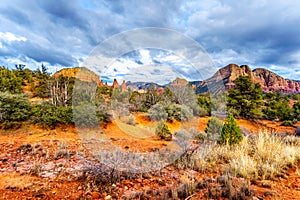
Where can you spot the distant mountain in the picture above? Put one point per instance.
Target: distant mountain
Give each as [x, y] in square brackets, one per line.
[270, 81]
[80, 73]
[142, 85]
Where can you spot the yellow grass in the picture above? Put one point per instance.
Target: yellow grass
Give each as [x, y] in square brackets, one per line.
[263, 157]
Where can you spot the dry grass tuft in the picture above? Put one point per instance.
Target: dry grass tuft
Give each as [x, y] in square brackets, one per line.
[262, 157]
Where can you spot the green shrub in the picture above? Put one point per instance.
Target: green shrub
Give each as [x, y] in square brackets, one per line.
[287, 123]
[131, 120]
[179, 112]
[9, 82]
[162, 131]
[85, 115]
[214, 128]
[49, 116]
[14, 107]
[157, 112]
[231, 133]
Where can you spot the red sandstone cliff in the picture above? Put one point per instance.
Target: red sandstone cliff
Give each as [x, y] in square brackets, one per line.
[270, 81]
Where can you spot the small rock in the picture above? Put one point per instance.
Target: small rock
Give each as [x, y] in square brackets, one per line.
[221, 179]
[266, 185]
[108, 197]
[161, 182]
[79, 188]
[270, 193]
[95, 195]
[126, 188]
[113, 185]
[209, 180]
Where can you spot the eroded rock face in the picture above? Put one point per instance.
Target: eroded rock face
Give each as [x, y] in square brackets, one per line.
[80, 73]
[270, 81]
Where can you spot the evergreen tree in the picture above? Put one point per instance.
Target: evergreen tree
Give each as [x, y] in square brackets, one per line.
[214, 128]
[231, 132]
[245, 98]
[9, 82]
[296, 110]
[163, 131]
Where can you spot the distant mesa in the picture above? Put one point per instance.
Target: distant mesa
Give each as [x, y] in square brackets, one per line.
[270, 81]
[223, 78]
[179, 82]
[86, 75]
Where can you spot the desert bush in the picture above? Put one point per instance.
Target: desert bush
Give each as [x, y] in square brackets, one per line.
[171, 112]
[231, 133]
[85, 115]
[287, 123]
[157, 112]
[296, 110]
[214, 128]
[179, 112]
[49, 116]
[131, 120]
[14, 108]
[162, 131]
[9, 82]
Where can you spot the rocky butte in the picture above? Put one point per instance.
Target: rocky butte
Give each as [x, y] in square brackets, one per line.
[270, 81]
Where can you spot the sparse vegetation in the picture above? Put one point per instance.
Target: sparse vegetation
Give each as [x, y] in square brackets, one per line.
[232, 161]
[162, 131]
[231, 133]
[245, 98]
[214, 128]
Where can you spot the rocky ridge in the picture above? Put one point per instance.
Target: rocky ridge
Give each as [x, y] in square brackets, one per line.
[270, 81]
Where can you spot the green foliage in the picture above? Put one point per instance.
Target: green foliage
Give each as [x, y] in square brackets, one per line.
[205, 105]
[231, 133]
[277, 107]
[151, 98]
[287, 123]
[157, 112]
[9, 82]
[245, 98]
[170, 112]
[41, 87]
[296, 110]
[85, 115]
[163, 132]
[49, 116]
[14, 107]
[214, 128]
[179, 112]
[137, 102]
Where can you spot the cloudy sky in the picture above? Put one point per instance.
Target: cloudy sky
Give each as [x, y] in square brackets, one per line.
[62, 33]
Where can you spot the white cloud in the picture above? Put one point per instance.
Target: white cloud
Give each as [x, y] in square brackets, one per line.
[159, 74]
[145, 57]
[8, 36]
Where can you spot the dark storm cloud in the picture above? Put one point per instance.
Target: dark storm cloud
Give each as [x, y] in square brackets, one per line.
[63, 32]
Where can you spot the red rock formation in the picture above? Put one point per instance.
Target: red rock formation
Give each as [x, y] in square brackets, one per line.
[270, 81]
[123, 86]
[159, 90]
[179, 82]
[115, 84]
[80, 73]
